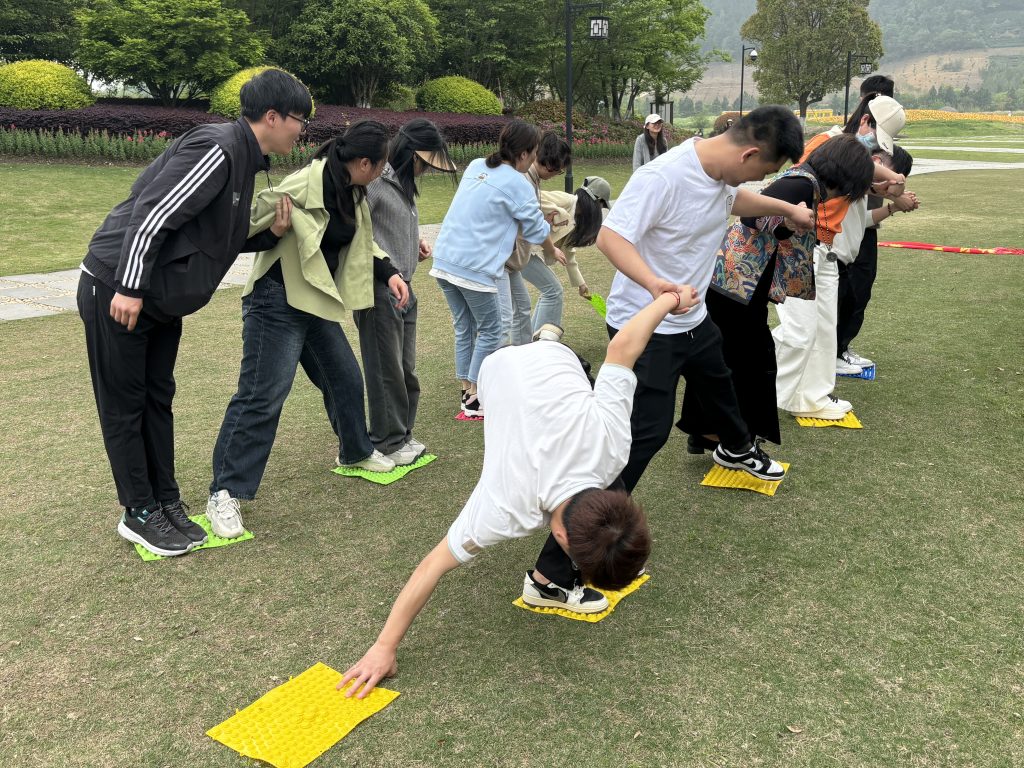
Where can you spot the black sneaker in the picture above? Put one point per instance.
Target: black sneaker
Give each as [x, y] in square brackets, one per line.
[472, 406]
[755, 461]
[579, 599]
[151, 529]
[177, 513]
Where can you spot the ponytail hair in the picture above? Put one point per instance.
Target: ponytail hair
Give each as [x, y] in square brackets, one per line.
[586, 221]
[853, 124]
[365, 138]
[516, 137]
[420, 135]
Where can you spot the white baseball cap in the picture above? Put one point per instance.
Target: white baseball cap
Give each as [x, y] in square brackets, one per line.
[654, 117]
[889, 120]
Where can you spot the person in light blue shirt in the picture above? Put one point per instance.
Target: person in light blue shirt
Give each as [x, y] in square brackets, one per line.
[493, 203]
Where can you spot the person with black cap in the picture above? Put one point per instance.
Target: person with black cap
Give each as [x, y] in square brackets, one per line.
[387, 333]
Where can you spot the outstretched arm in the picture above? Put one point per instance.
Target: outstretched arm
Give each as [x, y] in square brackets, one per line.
[380, 660]
[752, 205]
[630, 342]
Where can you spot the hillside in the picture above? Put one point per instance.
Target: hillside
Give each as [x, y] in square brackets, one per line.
[909, 27]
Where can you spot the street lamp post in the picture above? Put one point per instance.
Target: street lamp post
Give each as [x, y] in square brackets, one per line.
[743, 60]
[865, 69]
[598, 31]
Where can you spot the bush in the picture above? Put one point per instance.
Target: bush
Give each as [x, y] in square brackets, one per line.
[551, 111]
[396, 97]
[457, 94]
[36, 84]
[225, 99]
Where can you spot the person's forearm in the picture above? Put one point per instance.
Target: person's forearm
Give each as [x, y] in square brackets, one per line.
[625, 257]
[629, 343]
[548, 246]
[752, 205]
[415, 593]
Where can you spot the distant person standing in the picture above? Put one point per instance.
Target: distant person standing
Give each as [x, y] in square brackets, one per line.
[651, 142]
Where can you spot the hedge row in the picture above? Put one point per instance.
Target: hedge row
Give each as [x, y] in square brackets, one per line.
[329, 121]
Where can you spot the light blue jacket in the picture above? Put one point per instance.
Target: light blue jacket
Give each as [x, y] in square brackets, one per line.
[480, 228]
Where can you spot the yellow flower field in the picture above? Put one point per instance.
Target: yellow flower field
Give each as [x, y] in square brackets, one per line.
[922, 115]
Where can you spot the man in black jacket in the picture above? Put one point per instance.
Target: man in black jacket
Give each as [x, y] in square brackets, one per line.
[157, 257]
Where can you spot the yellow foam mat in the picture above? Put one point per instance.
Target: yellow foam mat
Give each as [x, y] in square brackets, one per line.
[295, 723]
[849, 421]
[614, 596]
[722, 477]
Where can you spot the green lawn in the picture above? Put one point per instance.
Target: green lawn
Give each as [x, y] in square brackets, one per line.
[870, 614]
[961, 129]
[952, 153]
[53, 209]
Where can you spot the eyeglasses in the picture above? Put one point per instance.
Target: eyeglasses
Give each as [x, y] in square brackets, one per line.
[304, 121]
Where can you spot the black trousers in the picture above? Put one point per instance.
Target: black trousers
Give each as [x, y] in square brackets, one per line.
[133, 382]
[855, 282]
[696, 356]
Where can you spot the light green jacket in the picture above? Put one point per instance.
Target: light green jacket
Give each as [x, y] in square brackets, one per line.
[309, 285]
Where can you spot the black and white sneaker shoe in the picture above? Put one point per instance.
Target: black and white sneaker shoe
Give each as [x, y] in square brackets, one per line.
[151, 529]
[755, 461]
[177, 513]
[472, 405]
[579, 599]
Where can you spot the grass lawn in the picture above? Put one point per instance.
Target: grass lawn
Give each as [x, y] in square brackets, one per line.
[870, 614]
[53, 209]
[961, 129]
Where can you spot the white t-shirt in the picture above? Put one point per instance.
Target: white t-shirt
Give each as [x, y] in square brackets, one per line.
[676, 216]
[547, 436]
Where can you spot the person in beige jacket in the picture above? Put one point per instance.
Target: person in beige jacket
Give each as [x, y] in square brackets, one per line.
[320, 270]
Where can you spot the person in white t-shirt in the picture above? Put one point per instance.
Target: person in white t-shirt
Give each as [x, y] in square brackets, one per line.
[664, 232]
[552, 446]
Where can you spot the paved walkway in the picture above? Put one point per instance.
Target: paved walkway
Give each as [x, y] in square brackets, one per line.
[23, 296]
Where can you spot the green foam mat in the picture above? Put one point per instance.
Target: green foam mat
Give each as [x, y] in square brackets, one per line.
[212, 540]
[385, 478]
[597, 302]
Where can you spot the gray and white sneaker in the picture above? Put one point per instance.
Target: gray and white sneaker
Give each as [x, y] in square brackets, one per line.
[579, 599]
[375, 462]
[846, 368]
[853, 358]
[417, 445]
[225, 515]
[405, 455]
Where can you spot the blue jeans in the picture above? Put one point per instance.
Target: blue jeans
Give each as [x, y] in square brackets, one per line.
[514, 302]
[549, 303]
[275, 339]
[477, 321]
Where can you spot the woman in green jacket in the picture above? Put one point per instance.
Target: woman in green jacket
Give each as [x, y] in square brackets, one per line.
[321, 269]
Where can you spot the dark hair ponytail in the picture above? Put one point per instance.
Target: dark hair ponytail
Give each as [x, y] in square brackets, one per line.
[587, 221]
[366, 138]
[853, 124]
[418, 134]
[516, 137]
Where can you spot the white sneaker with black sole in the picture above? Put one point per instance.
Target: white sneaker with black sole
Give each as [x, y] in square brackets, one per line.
[579, 599]
[834, 411]
[755, 462]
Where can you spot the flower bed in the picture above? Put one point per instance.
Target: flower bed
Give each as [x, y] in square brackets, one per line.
[925, 115]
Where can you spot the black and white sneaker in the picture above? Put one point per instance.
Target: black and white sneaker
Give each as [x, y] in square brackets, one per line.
[472, 406]
[177, 513]
[755, 461]
[579, 599]
[151, 529]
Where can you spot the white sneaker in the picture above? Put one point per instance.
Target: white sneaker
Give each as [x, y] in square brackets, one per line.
[417, 445]
[852, 357]
[225, 515]
[845, 368]
[834, 411]
[375, 462]
[579, 599]
[405, 455]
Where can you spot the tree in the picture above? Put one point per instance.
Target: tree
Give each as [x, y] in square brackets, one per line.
[38, 29]
[652, 46]
[502, 44]
[803, 47]
[347, 50]
[171, 48]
